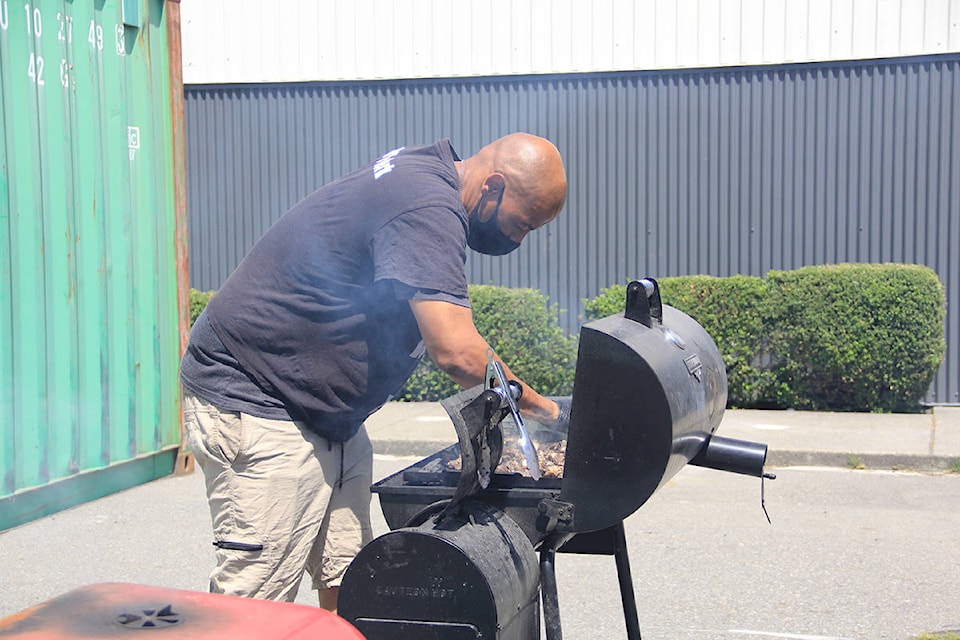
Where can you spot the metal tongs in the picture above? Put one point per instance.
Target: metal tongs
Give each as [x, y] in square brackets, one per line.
[511, 392]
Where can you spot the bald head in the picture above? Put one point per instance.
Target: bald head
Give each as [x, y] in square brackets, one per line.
[532, 174]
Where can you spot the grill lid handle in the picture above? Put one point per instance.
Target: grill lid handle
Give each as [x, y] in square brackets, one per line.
[643, 302]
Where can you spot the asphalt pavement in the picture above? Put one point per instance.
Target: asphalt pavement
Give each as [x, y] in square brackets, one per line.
[851, 554]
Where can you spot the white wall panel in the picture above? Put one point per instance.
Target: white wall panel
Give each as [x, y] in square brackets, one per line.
[240, 41]
[953, 43]
[936, 38]
[841, 33]
[864, 35]
[912, 24]
[747, 30]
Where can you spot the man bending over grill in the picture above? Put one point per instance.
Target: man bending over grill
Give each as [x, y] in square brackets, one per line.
[321, 322]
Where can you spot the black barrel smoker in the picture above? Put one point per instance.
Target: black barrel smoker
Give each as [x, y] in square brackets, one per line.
[460, 561]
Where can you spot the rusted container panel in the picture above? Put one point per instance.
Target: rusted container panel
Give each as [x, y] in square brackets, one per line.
[90, 308]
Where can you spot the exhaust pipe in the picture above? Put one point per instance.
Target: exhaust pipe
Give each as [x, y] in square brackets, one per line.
[735, 456]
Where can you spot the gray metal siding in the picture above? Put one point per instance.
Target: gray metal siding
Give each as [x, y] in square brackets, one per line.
[719, 172]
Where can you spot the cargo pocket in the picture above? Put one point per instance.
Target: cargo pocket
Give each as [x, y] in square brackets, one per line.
[228, 439]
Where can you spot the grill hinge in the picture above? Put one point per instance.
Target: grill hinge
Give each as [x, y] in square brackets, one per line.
[557, 513]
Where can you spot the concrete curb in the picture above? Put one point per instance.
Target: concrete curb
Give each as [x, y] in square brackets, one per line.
[775, 457]
[872, 461]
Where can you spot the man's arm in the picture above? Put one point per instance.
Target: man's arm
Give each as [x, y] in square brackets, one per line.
[454, 344]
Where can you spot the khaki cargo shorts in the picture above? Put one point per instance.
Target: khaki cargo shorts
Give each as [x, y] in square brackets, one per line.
[282, 499]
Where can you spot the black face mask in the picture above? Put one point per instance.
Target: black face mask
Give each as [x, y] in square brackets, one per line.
[486, 237]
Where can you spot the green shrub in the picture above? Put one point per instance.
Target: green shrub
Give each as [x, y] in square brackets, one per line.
[522, 328]
[198, 302]
[861, 337]
[851, 337]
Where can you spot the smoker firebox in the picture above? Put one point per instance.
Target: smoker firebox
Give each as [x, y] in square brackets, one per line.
[460, 561]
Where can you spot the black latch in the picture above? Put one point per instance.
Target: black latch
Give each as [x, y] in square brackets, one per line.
[643, 302]
[556, 513]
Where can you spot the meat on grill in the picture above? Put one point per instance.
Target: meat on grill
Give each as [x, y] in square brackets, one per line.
[551, 458]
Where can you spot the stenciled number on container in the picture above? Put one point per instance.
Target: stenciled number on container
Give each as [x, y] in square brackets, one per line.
[95, 37]
[121, 45]
[133, 141]
[34, 21]
[65, 34]
[34, 29]
[35, 69]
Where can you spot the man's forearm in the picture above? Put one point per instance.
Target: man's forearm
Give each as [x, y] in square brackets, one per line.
[454, 344]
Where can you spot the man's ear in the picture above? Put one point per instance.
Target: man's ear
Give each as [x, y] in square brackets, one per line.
[493, 185]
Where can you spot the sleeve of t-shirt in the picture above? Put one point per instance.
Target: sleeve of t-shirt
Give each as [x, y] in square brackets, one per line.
[424, 251]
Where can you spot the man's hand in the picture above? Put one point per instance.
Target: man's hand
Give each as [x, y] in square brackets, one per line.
[561, 424]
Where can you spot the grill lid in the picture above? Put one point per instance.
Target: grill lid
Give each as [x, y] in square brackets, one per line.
[649, 389]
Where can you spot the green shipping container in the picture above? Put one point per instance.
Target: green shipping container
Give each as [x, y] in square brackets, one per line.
[92, 249]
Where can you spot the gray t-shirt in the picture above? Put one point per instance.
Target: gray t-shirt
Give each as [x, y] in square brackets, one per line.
[315, 323]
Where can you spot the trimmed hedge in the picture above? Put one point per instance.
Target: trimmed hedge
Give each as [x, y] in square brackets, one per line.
[198, 302]
[847, 337]
[863, 337]
[522, 328]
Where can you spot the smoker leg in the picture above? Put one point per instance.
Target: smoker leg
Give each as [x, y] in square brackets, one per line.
[630, 617]
[548, 591]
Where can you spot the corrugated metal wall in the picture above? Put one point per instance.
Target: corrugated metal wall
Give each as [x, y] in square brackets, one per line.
[89, 311]
[716, 172]
[324, 40]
